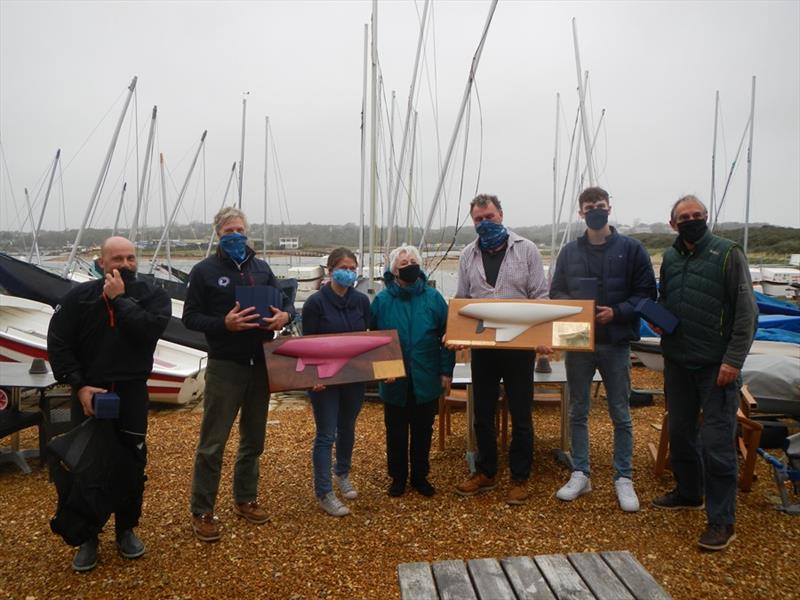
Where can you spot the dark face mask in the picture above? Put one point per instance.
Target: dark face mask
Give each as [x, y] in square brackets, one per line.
[596, 218]
[409, 273]
[692, 231]
[127, 275]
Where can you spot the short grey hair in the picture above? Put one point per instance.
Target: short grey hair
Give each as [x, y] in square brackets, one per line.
[228, 213]
[688, 198]
[395, 254]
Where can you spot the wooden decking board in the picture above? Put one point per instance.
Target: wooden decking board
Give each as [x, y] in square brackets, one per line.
[526, 578]
[641, 584]
[490, 580]
[416, 581]
[452, 580]
[600, 578]
[562, 578]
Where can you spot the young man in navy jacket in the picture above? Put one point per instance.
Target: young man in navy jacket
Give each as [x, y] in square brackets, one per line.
[616, 272]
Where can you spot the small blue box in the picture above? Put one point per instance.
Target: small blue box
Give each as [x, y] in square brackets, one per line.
[261, 297]
[106, 406]
[657, 315]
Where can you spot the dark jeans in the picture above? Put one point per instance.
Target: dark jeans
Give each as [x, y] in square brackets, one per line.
[703, 454]
[416, 420]
[230, 387]
[515, 368]
[132, 428]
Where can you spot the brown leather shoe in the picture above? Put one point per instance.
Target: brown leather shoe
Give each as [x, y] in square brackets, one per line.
[518, 493]
[476, 484]
[252, 512]
[206, 527]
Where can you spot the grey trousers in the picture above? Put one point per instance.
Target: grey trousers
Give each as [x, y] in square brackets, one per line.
[230, 387]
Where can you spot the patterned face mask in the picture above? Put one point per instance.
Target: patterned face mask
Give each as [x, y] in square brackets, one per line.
[234, 245]
[344, 277]
[491, 235]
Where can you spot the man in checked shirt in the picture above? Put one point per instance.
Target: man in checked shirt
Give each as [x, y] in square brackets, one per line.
[500, 264]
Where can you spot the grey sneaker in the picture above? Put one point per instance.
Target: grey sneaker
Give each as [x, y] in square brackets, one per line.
[626, 495]
[346, 487]
[129, 544]
[86, 558]
[578, 485]
[332, 505]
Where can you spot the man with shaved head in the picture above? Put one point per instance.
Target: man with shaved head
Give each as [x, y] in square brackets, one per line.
[101, 339]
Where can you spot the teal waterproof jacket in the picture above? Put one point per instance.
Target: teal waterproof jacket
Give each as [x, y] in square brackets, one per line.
[419, 314]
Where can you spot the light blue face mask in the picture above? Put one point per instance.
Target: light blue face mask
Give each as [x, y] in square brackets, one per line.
[234, 245]
[344, 277]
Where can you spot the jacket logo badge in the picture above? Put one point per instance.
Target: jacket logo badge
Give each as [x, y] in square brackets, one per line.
[714, 252]
[223, 281]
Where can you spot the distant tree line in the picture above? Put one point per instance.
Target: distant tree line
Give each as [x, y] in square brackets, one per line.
[767, 239]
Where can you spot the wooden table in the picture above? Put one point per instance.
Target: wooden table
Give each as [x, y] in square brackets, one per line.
[15, 377]
[578, 576]
[558, 376]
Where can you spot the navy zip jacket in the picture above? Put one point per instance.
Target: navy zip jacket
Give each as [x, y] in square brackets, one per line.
[627, 277]
[328, 312]
[91, 341]
[211, 294]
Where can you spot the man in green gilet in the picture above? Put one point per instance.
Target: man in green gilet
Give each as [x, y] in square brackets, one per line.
[705, 282]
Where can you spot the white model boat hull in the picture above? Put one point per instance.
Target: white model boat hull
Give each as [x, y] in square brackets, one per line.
[511, 319]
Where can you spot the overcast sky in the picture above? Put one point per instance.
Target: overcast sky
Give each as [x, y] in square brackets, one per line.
[654, 67]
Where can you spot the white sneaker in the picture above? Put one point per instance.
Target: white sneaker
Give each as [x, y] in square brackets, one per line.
[578, 485]
[346, 487]
[332, 505]
[628, 501]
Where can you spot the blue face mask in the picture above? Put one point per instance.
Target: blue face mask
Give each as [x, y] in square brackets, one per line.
[233, 244]
[344, 277]
[491, 235]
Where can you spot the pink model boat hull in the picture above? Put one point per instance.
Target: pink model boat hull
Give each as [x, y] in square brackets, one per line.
[329, 354]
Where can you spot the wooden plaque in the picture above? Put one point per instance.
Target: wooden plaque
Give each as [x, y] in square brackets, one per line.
[521, 324]
[332, 359]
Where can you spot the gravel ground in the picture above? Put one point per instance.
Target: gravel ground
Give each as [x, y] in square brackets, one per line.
[303, 553]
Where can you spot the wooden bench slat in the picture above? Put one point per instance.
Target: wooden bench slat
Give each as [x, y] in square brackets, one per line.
[490, 580]
[563, 579]
[452, 580]
[600, 578]
[416, 581]
[526, 578]
[635, 577]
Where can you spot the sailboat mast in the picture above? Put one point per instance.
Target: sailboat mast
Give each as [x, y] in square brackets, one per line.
[148, 154]
[363, 147]
[467, 90]
[119, 208]
[713, 197]
[178, 202]
[221, 206]
[582, 103]
[749, 166]
[373, 150]
[165, 233]
[241, 156]
[266, 164]
[34, 242]
[100, 178]
[554, 225]
[409, 228]
[44, 205]
[409, 107]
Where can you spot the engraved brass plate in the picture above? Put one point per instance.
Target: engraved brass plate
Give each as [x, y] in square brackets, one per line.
[572, 335]
[384, 369]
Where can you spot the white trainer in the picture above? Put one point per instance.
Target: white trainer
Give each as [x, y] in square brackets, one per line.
[332, 505]
[346, 487]
[628, 501]
[578, 485]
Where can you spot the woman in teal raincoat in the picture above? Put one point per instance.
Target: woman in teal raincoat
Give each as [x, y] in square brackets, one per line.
[419, 314]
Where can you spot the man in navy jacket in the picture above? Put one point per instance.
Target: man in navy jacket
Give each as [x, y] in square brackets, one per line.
[614, 271]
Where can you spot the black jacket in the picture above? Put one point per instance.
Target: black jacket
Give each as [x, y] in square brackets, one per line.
[92, 341]
[627, 278]
[211, 294]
